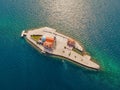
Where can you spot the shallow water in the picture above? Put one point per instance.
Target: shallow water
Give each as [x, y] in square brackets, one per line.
[95, 24]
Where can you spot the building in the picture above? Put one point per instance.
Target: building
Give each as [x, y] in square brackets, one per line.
[71, 42]
[48, 45]
[48, 42]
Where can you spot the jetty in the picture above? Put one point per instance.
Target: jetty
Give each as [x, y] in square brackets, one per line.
[23, 33]
[49, 41]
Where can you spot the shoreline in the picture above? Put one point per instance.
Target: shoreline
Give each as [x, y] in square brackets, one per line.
[83, 63]
[61, 57]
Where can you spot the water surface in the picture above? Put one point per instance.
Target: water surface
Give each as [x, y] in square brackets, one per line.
[96, 24]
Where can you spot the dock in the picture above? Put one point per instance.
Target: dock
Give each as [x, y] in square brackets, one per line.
[61, 47]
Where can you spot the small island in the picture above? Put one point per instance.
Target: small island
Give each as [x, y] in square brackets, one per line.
[48, 41]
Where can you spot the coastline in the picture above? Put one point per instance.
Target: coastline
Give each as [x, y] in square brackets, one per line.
[61, 57]
[88, 64]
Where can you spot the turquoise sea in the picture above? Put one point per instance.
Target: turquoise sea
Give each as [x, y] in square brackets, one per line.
[94, 23]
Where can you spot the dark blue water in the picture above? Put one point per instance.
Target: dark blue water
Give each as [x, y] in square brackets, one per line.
[96, 24]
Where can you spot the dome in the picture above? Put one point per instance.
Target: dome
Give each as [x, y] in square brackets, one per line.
[43, 38]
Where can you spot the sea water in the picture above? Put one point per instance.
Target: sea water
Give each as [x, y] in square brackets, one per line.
[94, 23]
